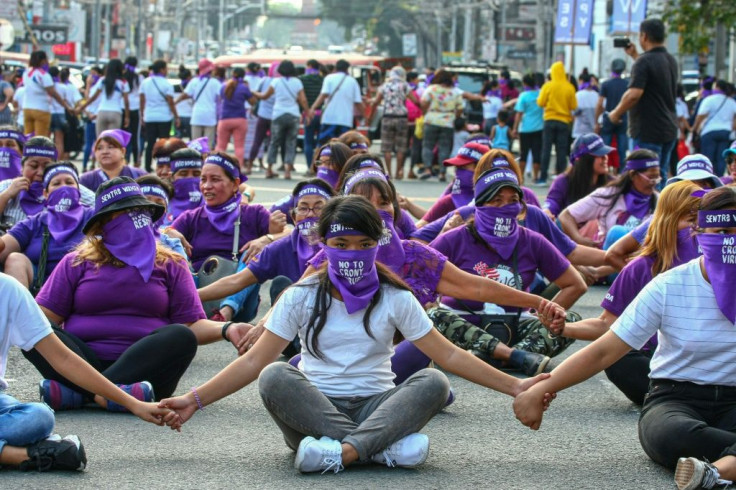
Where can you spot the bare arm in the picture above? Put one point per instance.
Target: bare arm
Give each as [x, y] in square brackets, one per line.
[598, 112]
[58, 98]
[227, 285]
[318, 103]
[629, 100]
[570, 227]
[572, 287]
[619, 252]
[8, 93]
[698, 122]
[589, 256]
[589, 328]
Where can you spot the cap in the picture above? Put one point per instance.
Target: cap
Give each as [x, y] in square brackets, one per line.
[468, 153]
[492, 181]
[589, 144]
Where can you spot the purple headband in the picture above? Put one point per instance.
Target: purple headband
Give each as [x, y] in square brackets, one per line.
[483, 140]
[326, 152]
[492, 178]
[116, 193]
[358, 146]
[40, 151]
[202, 144]
[586, 149]
[130, 68]
[470, 153]
[336, 229]
[163, 160]
[11, 134]
[363, 175]
[228, 167]
[60, 169]
[155, 191]
[370, 164]
[122, 137]
[185, 163]
[723, 218]
[313, 190]
[642, 164]
[500, 163]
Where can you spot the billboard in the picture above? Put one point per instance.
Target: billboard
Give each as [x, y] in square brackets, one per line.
[574, 21]
[627, 15]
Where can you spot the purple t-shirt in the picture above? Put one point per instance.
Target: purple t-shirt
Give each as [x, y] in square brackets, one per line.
[234, 107]
[533, 252]
[530, 198]
[629, 282]
[440, 208]
[405, 225]
[205, 240]
[727, 180]
[110, 308]
[285, 205]
[29, 234]
[557, 197]
[278, 259]
[421, 271]
[92, 179]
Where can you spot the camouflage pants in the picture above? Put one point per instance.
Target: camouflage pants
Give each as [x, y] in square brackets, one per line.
[530, 336]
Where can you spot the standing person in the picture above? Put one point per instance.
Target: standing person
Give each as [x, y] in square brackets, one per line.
[114, 90]
[18, 98]
[587, 99]
[394, 124]
[715, 121]
[134, 110]
[264, 112]
[59, 122]
[312, 81]
[89, 116]
[6, 95]
[508, 91]
[612, 90]
[184, 107]
[500, 137]
[157, 107]
[558, 99]
[529, 124]
[342, 102]
[441, 105]
[234, 95]
[39, 88]
[650, 98]
[204, 90]
[253, 80]
[492, 105]
[414, 114]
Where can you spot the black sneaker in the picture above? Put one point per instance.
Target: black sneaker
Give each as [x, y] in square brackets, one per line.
[55, 453]
[693, 474]
[534, 363]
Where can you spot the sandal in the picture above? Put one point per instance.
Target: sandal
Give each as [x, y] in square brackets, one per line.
[271, 175]
[399, 175]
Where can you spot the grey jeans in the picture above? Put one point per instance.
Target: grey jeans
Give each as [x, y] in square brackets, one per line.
[440, 136]
[369, 424]
[201, 131]
[284, 132]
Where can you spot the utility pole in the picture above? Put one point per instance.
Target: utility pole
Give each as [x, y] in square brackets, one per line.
[96, 40]
[221, 27]
[439, 37]
[453, 32]
[468, 40]
[541, 36]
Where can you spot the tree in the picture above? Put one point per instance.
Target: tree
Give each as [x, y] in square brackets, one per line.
[696, 21]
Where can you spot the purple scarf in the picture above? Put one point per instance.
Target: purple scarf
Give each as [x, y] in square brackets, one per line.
[186, 196]
[311, 71]
[129, 238]
[10, 164]
[462, 187]
[64, 213]
[719, 257]
[354, 274]
[304, 241]
[224, 216]
[328, 175]
[498, 227]
[687, 247]
[637, 204]
[390, 250]
[31, 201]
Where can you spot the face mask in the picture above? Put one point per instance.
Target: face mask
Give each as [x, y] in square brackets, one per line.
[328, 175]
[129, 238]
[390, 250]
[498, 227]
[186, 196]
[224, 216]
[687, 246]
[353, 273]
[719, 257]
[462, 187]
[10, 164]
[64, 213]
[31, 201]
[305, 242]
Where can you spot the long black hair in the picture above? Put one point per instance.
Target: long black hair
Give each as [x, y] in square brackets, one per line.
[358, 213]
[113, 73]
[131, 62]
[579, 176]
[626, 181]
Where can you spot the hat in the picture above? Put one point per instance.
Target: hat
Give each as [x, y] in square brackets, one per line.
[492, 181]
[119, 194]
[730, 149]
[468, 153]
[589, 144]
[696, 167]
[205, 66]
[618, 66]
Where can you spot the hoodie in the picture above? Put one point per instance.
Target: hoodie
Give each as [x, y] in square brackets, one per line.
[558, 96]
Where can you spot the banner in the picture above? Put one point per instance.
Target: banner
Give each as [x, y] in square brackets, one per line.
[574, 21]
[627, 15]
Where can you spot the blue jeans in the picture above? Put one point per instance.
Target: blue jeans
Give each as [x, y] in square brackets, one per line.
[712, 145]
[622, 141]
[22, 424]
[245, 302]
[662, 150]
[90, 135]
[311, 131]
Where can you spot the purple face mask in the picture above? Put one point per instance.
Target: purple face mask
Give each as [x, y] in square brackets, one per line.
[390, 250]
[129, 238]
[462, 187]
[687, 246]
[498, 227]
[10, 163]
[31, 201]
[328, 175]
[719, 256]
[353, 273]
[305, 242]
[224, 216]
[64, 212]
[186, 196]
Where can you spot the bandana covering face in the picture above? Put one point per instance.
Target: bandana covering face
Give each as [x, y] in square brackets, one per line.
[462, 187]
[637, 204]
[328, 175]
[305, 242]
[186, 196]
[224, 216]
[64, 212]
[498, 227]
[129, 238]
[354, 274]
[390, 250]
[719, 257]
[10, 164]
[687, 246]
[31, 201]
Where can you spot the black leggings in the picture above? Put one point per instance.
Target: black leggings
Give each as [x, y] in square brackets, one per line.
[154, 131]
[630, 374]
[132, 152]
[160, 358]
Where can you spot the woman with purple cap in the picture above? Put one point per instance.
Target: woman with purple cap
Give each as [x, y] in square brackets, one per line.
[186, 169]
[110, 155]
[587, 172]
[608, 213]
[12, 141]
[346, 318]
[33, 247]
[687, 418]
[160, 192]
[114, 90]
[729, 156]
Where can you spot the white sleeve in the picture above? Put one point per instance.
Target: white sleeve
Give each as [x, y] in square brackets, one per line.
[125, 88]
[26, 323]
[190, 88]
[705, 106]
[327, 85]
[643, 317]
[47, 81]
[283, 320]
[410, 318]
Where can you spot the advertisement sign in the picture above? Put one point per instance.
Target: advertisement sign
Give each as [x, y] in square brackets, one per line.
[627, 15]
[574, 21]
[48, 34]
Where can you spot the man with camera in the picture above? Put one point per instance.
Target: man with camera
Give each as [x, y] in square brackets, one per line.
[650, 98]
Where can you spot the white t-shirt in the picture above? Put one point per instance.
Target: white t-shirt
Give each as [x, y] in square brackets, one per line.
[134, 97]
[205, 91]
[340, 107]
[718, 117]
[36, 82]
[69, 93]
[285, 91]
[491, 108]
[585, 113]
[155, 89]
[696, 341]
[114, 101]
[22, 324]
[185, 107]
[265, 107]
[352, 364]
[18, 100]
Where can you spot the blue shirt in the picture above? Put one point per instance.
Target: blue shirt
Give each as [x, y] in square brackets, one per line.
[501, 138]
[532, 119]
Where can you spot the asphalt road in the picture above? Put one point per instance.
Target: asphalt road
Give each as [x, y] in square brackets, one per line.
[588, 439]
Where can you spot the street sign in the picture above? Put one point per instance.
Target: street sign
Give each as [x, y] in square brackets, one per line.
[627, 15]
[409, 44]
[574, 21]
[48, 34]
[513, 33]
[7, 34]
[521, 54]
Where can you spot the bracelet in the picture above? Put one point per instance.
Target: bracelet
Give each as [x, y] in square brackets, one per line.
[247, 195]
[225, 326]
[196, 398]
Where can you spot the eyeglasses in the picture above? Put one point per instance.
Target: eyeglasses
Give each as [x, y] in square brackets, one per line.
[304, 210]
[654, 181]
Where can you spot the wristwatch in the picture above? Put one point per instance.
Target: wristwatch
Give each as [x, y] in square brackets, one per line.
[225, 326]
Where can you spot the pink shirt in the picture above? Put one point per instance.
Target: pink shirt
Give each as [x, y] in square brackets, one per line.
[596, 205]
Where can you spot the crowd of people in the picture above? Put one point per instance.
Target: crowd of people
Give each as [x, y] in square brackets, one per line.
[367, 288]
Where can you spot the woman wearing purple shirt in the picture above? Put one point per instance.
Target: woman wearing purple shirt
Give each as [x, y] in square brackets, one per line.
[110, 155]
[233, 96]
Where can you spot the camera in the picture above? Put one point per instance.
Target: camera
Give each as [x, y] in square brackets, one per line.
[621, 42]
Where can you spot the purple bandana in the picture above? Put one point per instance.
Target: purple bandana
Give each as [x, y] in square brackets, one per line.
[354, 274]
[687, 246]
[186, 196]
[390, 250]
[31, 201]
[40, 151]
[363, 175]
[584, 85]
[326, 152]
[186, 163]
[224, 216]
[500, 163]
[725, 218]
[202, 145]
[498, 227]
[491, 178]
[115, 194]
[129, 238]
[481, 139]
[64, 212]
[462, 187]
[637, 204]
[311, 71]
[130, 68]
[61, 169]
[640, 165]
[10, 164]
[155, 191]
[304, 241]
[228, 167]
[329, 175]
[719, 257]
[312, 190]
[336, 229]
[122, 137]
[358, 146]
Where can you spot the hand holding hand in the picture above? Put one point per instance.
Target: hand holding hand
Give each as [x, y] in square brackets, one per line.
[236, 332]
[529, 408]
[250, 338]
[150, 412]
[552, 316]
[182, 408]
[454, 221]
[174, 233]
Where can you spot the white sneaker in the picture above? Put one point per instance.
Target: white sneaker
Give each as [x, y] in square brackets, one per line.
[692, 474]
[408, 452]
[322, 455]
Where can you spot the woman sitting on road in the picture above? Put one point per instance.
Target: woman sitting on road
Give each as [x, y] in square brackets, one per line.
[110, 155]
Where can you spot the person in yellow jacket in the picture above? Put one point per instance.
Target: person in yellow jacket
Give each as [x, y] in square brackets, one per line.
[558, 99]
